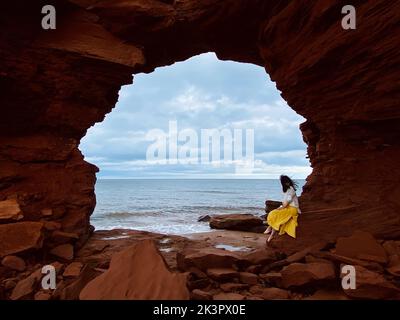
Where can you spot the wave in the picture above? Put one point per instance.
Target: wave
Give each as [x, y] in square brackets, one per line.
[127, 214]
[211, 191]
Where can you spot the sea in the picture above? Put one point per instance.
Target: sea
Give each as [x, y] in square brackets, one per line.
[173, 206]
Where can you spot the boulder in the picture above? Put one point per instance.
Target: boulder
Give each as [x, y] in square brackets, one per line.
[260, 257]
[222, 274]
[64, 251]
[52, 225]
[10, 210]
[26, 286]
[295, 257]
[248, 278]
[393, 251]
[346, 260]
[272, 205]
[14, 262]
[206, 258]
[272, 278]
[46, 212]
[241, 222]
[73, 269]
[232, 287]
[41, 295]
[372, 285]
[228, 296]
[361, 245]
[20, 236]
[254, 268]
[72, 290]
[198, 284]
[272, 293]
[198, 294]
[394, 269]
[196, 273]
[60, 237]
[302, 274]
[328, 294]
[137, 272]
[9, 284]
[204, 218]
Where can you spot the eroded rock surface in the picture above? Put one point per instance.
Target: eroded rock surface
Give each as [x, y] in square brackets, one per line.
[138, 272]
[57, 84]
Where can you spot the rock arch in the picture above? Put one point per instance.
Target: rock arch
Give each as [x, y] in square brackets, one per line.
[55, 84]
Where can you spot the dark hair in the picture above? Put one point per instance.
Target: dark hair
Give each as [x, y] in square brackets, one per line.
[286, 183]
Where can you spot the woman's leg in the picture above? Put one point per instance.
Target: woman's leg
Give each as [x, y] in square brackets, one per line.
[268, 230]
[272, 235]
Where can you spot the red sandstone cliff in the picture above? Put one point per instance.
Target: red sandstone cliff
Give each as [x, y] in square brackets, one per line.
[56, 84]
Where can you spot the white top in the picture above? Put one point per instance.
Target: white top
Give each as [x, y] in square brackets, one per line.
[291, 198]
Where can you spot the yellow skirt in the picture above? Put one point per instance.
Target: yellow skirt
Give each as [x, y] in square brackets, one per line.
[284, 220]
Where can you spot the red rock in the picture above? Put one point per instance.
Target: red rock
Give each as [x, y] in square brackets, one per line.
[310, 259]
[204, 218]
[248, 278]
[198, 284]
[58, 236]
[197, 273]
[260, 257]
[57, 266]
[272, 278]
[251, 297]
[40, 138]
[393, 251]
[71, 290]
[351, 261]
[52, 225]
[274, 294]
[64, 251]
[206, 258]
[25, 287]
[228, 296]
[40, 295]
[73, 269]
[9, 284]
[324, 294]
[20, 236]
[254, 269]
[372, 285]
[394, 269]
[127, 278]
[222, 274]
[10, 210]
[300, 274]
[231, 287]
[272, 205]
[361, 245]
[14, 262]
[242, 222]
[200, 295]
[46, 212]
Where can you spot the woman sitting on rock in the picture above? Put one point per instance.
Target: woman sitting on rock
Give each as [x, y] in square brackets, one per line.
[284, 219]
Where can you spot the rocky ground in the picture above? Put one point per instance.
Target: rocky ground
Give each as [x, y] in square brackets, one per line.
[218, 265]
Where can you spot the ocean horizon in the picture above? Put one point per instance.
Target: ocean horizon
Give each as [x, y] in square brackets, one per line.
[173, 206]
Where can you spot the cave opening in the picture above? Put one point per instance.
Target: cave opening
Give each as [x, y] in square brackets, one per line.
[168, 194]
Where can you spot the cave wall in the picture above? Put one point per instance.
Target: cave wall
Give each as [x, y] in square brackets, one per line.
[55, 84]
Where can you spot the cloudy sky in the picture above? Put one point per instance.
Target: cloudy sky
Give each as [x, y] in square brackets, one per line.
[200, 93]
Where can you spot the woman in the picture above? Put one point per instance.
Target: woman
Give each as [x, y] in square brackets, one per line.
[284, 219]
